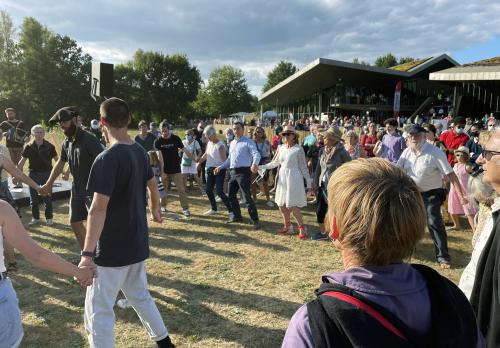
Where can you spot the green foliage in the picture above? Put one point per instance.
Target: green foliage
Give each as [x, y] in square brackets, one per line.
[386, 61]
[360, 62]
[158, 86]
[279, 73]
[403, 60]
[226, 93]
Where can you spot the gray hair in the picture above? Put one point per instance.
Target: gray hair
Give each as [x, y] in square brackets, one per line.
[37, 127]
[208, 131]
[478, 188]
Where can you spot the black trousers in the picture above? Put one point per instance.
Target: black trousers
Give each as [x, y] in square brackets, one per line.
[432, 201]
[239, 179]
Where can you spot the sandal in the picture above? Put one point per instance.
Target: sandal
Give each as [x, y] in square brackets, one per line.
[444, 264]
[303, 232]
[286, 230]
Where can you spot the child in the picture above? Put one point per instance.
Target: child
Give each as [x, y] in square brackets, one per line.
[155, 166]
[462, 169]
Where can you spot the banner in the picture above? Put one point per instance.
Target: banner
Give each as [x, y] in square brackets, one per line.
[397, 99]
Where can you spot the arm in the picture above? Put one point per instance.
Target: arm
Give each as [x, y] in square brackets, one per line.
[452, 177]
[56, 171]
[16, 235]
[160, 158]
[303, 168]
[19, 175]
[154, 200]
[21, 163]
[274, 162]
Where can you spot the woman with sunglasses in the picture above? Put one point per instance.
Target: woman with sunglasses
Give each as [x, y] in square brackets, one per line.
[290, 194]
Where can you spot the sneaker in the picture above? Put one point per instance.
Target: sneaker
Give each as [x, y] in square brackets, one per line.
[257, 225]
[218, 200]
[231, 216]
[163, 209]
[34, 222]
[270, 204]
[319, 236]
[286, 230]
[234, 219]
[210, 212]
[186, 213]
[50, 222]
[123, 303]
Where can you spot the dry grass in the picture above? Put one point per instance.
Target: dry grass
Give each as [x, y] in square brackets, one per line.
[215, 285]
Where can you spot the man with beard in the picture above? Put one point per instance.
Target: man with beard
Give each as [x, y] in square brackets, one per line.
[427, 165]
[15, 137]
[79, 149]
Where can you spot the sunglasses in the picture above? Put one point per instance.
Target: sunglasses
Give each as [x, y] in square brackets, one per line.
[459, 154]
[287, 134]
[488, 154]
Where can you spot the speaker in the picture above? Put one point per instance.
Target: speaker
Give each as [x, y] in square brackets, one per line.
[102, 80]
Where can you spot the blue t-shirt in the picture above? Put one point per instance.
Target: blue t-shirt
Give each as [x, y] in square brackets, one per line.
[121, 172]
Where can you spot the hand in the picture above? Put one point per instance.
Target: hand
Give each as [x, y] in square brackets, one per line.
[45, 190]
[216, 170]
[156, 214]
[254, 168]
[89, 271]
[464, 200]
[65, 176]
[39, 191]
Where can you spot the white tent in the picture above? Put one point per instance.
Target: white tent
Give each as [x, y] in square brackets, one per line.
[270, 114]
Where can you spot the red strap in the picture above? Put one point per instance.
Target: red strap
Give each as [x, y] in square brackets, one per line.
[371, 311]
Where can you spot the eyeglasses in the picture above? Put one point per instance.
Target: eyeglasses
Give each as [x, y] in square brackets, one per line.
[488, 154]
[458, 154]
[287, 134]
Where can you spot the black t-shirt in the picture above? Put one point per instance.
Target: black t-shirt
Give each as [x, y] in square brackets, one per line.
[80, 152]
[16, 134]
[148, 143]
[170, 152]
[121, 173]
[39, 157]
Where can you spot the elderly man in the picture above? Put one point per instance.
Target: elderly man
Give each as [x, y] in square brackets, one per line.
[39, 153]
[427, 166]
[243, 158]
[485, 298]
[79, 149]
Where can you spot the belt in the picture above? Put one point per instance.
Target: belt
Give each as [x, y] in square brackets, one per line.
[3, 276]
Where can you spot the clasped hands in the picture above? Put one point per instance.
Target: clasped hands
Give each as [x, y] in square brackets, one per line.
[87, 271]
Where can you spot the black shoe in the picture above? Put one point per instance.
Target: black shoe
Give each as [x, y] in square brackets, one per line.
[165, 343]
[257, 225]
[235, 219]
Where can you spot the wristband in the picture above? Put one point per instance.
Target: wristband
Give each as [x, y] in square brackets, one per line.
[87, 253]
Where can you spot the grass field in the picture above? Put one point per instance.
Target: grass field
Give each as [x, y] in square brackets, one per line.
[216, 285]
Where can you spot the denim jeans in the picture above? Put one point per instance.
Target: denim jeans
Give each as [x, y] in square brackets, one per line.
[40, 178]
[432, 201]
[11, 328]
[217, 181]
[240, 180]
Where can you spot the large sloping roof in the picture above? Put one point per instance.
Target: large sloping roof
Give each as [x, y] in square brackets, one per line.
[323, 73]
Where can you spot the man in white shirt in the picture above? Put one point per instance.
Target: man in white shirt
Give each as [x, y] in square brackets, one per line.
[427, 165]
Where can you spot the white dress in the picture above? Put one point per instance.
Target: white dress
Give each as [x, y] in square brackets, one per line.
[290, 191]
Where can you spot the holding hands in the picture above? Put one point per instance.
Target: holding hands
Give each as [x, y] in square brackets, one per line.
[87, 271]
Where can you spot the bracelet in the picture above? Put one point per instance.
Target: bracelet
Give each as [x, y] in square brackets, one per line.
[87, 253]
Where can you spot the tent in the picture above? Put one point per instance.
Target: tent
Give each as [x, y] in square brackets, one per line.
[270, 114]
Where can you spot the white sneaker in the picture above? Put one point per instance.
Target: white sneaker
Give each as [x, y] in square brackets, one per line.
[231, 216]
[34, 222]
[186, 213]
[270, 204]
[218, 199]
[163, 209]
[123, 303]
[50, 222]
[210, 212]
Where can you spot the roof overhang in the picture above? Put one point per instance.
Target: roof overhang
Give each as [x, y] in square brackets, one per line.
[468, 73]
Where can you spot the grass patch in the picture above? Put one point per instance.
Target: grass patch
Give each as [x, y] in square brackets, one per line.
[216, 285]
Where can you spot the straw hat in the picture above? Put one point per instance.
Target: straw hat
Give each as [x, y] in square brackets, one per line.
[463, 149]
[288, 130]
[333, 133]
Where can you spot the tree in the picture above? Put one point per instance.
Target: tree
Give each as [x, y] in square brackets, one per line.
[360, 62]
[8, 60]
[403, 60]
[158, 86]
[386, 61]
[280, 72]
[227, 92]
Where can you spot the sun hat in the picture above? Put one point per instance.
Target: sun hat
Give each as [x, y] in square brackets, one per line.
[462, 149]
[288, 130]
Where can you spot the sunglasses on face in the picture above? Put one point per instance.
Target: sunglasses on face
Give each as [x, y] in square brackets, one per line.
[488, 154]
[458, 155]
[287, 134]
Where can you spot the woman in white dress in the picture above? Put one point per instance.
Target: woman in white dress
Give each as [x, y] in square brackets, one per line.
[188, 166]
[290, 193]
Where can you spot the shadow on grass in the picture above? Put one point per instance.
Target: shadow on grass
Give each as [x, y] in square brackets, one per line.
[197, 304]
[425, 251]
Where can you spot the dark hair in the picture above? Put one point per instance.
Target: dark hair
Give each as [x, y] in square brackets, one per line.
[459, 121]
[164, 124]
[431, 128]
[116, 112]
[391, 122]
[239, 123]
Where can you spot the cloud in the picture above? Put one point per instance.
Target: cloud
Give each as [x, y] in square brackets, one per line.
[256, 34]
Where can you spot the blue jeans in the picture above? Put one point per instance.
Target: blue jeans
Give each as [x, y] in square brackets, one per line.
[240, 180]
[217, 181]
[11, 328]
[40, 178]
[432, 201]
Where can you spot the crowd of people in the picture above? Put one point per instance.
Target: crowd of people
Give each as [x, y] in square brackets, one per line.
[375, 186]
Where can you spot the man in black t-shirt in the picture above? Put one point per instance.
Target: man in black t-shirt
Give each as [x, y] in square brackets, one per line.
[79, 149]
[15, 137]
[39, 154]
[170, 148]
[118, 232]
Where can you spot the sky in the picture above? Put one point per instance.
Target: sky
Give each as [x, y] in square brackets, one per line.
[254, 35]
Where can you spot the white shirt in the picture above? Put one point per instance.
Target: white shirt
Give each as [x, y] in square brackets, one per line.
[4, 151]
[467, 279]
[427, 168]
[2, 260]
[214, 158]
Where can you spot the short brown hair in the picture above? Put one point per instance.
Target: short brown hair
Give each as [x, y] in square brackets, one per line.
[116, 112]
[391, 122]
[378, 210]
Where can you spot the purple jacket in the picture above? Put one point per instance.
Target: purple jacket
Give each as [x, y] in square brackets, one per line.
[393, 146]
[398, 288]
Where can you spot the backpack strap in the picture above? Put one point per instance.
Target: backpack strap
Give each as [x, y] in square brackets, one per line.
[368, 309]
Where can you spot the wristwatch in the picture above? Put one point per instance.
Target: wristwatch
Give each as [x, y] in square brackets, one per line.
[87, 253]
